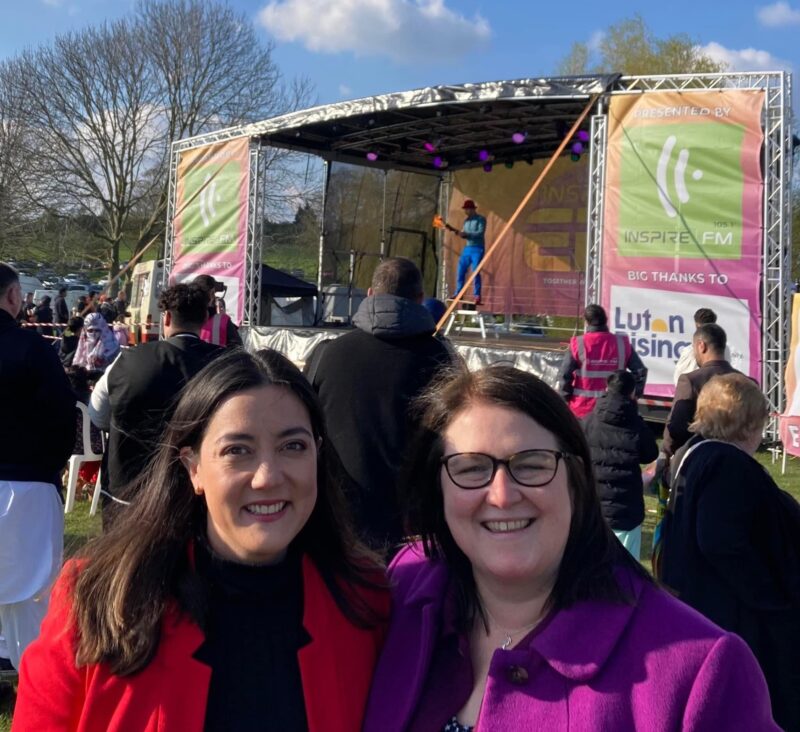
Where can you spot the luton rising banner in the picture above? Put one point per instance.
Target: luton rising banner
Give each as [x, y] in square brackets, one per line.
[683, 224]
[539, 268]
[211, 231]
[790, 419]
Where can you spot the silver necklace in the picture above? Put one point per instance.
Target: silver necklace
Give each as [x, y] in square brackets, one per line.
[509, 634]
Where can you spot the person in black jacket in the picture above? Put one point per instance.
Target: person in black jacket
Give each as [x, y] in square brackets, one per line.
[60, 308]
[36, 438]
[732, 547]
[366, 380]
[44, 314]
[136, 395]
[69, 340]
[620, 442]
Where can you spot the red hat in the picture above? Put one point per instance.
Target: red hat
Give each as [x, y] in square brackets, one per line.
[469, 203]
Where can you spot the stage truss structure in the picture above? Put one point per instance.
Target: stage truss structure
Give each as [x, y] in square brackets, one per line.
[777, 209]
[345, 130]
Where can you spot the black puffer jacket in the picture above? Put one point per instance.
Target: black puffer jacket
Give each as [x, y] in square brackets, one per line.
[620, 441]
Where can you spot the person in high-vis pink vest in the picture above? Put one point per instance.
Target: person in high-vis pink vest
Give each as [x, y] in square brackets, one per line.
[590, 360]
[219, 329]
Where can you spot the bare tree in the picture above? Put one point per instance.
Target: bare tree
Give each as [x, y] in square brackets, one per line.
[214, 71]
[94, 130]
[101, 107]
[17, 214]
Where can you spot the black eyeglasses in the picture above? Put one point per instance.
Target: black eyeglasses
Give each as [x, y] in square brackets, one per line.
[530, 468]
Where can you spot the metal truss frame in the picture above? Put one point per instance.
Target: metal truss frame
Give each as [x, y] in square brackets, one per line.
[256, 193]
[594, 218]
[777, 210]
[172, 196]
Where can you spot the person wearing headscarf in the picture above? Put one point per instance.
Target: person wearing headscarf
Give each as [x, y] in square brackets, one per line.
[97, 346]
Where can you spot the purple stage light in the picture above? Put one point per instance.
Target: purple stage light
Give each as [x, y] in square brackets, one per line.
[372, 156]
[438, 162]
[483, 155]
[429, 147]
[487, 168]
[583, 135]
[577, 147]
[519, 137]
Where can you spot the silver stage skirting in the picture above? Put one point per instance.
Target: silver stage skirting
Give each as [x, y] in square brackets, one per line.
[297, 344]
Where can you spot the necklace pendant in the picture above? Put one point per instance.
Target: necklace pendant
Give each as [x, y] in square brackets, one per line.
[506, 643]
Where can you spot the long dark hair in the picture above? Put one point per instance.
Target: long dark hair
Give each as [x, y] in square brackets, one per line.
[592, 551]
[128, 577]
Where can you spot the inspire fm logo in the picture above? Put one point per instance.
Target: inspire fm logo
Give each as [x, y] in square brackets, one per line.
[208, 196]
[681, 187]
[679, 175]
[210, 223]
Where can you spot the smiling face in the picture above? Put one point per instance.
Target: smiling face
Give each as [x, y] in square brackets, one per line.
[257, 468]
[510, 533]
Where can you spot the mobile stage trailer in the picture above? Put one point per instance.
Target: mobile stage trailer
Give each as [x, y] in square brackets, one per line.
[655, 195]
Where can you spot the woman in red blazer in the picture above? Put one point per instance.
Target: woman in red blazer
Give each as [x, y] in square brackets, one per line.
[231, 594]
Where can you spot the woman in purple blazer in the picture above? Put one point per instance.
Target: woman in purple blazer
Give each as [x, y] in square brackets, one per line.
[519, 610]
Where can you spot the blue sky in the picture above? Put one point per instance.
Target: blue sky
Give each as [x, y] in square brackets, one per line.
[354, 48]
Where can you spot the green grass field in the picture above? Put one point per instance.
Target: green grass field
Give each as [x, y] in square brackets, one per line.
[80, 527]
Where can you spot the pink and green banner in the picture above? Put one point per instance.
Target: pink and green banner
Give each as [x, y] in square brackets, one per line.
[683, 223]
[211, 229]
[790, 419]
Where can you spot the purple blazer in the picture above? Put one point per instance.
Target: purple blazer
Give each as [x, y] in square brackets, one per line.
[653, 665]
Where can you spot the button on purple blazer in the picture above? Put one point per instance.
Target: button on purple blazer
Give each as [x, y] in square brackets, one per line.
[653, 665]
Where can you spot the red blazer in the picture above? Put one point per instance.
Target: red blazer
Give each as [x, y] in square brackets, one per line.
[171, 692]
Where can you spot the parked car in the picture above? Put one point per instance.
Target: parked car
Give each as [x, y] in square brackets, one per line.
[76, 279]
[29, 284]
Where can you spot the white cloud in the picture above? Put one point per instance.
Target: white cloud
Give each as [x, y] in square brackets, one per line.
[778, 14]
[745, 59]
[406, 31]
[345, 90]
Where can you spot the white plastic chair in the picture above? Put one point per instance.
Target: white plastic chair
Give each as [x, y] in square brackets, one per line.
[76, 461]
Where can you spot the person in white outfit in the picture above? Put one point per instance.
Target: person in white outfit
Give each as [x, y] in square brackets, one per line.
[687, 361]
[34, 447]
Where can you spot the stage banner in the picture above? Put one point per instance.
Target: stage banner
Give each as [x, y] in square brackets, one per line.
[683, 224]
[210, 233]
[539, 267]
[790, 419]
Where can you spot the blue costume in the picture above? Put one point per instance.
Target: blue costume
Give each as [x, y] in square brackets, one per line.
[473, 231]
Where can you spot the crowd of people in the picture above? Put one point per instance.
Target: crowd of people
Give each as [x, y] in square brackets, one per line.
[240, 581]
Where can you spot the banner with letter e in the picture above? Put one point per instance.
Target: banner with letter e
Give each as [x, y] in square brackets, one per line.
[682, 224]
[210, 232]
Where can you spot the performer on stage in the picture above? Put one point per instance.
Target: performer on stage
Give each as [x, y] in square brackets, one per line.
[473, 231]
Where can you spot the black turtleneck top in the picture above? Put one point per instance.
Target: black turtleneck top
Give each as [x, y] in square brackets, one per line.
[254, 629]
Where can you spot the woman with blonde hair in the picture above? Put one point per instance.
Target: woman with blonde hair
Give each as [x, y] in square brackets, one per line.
[732, 546]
